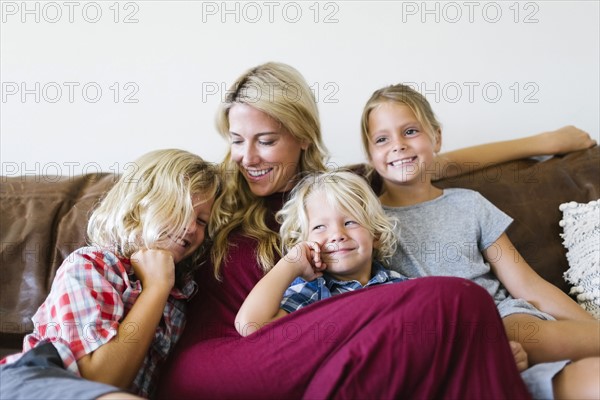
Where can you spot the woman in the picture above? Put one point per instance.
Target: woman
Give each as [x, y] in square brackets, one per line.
[423, 338]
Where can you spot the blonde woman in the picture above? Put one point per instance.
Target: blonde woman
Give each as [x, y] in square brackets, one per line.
[116, 307]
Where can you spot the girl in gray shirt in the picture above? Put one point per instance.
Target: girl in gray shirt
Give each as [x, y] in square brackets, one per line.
[458, 232]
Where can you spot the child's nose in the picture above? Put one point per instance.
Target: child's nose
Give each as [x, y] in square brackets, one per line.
[338, 235]
[191, 228]
[399, 144]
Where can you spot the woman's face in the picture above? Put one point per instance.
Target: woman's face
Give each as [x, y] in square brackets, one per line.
[267, 154]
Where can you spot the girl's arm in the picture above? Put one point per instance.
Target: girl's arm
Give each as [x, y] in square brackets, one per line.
[262, 304]
[523, 282]
[118, 361]
[564, 140]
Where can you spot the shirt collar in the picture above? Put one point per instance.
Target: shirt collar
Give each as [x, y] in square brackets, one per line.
[189, 289]
[378, 275]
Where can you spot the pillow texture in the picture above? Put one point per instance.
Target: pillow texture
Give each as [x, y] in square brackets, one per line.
[581, 238]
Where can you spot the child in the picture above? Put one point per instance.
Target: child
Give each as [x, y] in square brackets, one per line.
[116, 307]
[457, 232]
[333, 222]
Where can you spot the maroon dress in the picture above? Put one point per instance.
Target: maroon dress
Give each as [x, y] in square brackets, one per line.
[436, 337]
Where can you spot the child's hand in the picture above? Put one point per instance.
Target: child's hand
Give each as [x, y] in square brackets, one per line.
[306, 258]
[566, 140]
[154, 268]
[520, 355]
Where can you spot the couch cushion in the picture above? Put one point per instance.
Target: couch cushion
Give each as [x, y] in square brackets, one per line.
[43, 219]
[581, 238]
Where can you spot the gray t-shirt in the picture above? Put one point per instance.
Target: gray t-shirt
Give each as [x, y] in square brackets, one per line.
[445, 237]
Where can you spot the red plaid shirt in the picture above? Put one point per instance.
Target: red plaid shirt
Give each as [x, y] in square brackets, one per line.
[91, 294]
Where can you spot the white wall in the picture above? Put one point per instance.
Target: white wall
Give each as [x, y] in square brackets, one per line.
[492, 70]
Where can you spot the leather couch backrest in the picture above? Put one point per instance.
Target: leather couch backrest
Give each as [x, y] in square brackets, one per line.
[43, 219]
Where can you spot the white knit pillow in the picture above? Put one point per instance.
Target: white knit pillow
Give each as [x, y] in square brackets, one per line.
[581, 227]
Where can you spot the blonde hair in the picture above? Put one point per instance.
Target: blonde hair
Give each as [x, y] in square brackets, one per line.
[346, 191]
[405, 95]
[281, 92]
[154, 201]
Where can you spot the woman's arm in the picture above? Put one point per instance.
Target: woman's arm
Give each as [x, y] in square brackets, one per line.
[118, 361]
[262, 304]
[564, 140]
[523, 282]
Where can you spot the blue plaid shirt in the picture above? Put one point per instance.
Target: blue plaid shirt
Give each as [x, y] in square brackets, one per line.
[302, 293]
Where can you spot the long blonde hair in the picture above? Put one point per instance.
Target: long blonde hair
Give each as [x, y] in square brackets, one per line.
[281, 92]
[153, 202]
[345, 191]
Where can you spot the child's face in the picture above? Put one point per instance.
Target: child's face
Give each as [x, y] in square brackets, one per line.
[267, 154]
[185, 245]
[400, 149]
[346, 246]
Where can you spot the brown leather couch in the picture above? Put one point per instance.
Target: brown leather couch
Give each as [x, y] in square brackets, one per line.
[43, 219]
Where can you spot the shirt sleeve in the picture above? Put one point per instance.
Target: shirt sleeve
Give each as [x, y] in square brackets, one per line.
[299, 295]
[492, 221]
[84, 307]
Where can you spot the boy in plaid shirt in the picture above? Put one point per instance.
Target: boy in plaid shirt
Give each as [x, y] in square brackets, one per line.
[337, 240]
[116, 308]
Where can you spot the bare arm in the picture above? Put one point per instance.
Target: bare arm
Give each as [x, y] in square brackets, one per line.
[118, 361]
[262, 304]
[522, 281]
[564, 140]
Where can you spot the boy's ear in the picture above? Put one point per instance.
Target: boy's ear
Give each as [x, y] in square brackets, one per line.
[438, 142]
[376, 243]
